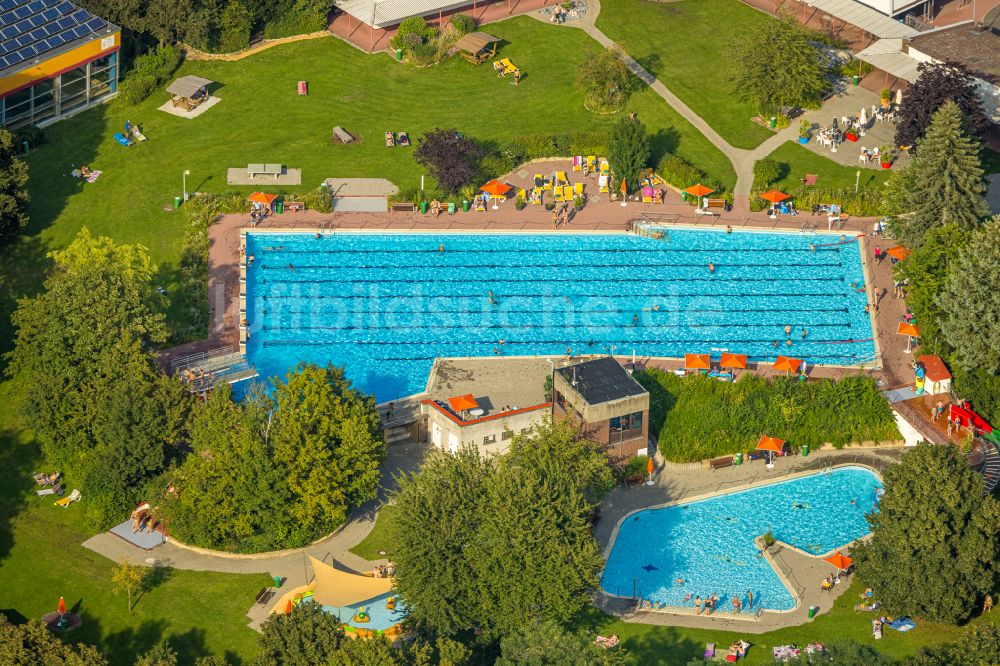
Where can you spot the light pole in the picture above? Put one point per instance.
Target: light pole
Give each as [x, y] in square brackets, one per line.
[185, 183]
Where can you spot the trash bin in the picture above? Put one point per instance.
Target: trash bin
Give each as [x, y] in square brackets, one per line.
[857, 79]
[738, 458]
[423, 207]
[279, 207]
[805, 449]
[773, 122]
[399, 54]
[26, 147]
[451, 207]
[684, 195]
[465, 205]
[177, 202]
[277, 581]
[812, 611]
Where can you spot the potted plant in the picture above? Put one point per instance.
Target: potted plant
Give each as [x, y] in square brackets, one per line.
[886, 154]
[549, 206]
[578, 202]
[886, 95]
[520, 203]
[805, 130]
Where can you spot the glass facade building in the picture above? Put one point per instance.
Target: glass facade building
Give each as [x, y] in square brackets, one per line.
[61, 95]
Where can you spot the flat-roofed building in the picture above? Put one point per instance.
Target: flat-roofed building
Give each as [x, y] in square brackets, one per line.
[56, 59]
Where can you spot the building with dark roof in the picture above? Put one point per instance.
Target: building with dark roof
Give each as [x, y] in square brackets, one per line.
[610, 406]
[56, 59]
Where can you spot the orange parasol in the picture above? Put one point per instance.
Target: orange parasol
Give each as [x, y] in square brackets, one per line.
[912, 330]
[839, 560]
[738, 361]
[774, 196]
[460, 403]
[787, 364]
[770, 444]
[899, 252]
[62, 606]
[699, 190]
[288, 607]
[495, 188]
[697, 362]
[261, 198]
[649, 466]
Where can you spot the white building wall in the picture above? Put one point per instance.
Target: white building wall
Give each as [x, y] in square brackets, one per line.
[490, 437]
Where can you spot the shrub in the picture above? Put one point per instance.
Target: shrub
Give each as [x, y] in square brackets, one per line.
[814, 413]
[423, 53]
[635, 466]
[463, 24]
[137, 87]
[416, 26]
[30, 133]
[769, 539]
[782, 120]
[680, 174]
[299, 20]
[494, 166]
[149, 71]
[765, 172]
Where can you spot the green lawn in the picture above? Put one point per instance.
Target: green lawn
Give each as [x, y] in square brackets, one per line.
[378, 539]
[686, 44]
[800, 161]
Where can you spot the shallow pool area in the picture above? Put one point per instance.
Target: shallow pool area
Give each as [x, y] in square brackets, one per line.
[380, 618]
[384, 306]
[709, 544]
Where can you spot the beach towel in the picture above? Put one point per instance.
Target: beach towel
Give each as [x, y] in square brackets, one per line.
[903, 624]
[876, 629]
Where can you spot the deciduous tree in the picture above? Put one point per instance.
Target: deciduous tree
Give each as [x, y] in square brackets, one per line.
[628, 151]
[160, 654]
[548, 644]
[13, 189]
[935, 541]
[938, 83]
[947, 180]
[235, 27]
[130, 578]
[450, 158]
[32, 643]
[305, 637]
[779, 66]
[605, 79]
[970, 301]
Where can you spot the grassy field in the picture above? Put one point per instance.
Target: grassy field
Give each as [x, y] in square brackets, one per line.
[378, 539]
[800, 160]
[686, 44]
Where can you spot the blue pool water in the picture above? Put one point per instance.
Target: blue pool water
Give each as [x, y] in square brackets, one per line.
[384, 306]
[709, 543]
[381, 617]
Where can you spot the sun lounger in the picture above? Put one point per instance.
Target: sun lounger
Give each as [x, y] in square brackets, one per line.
[607, 642]
[591, 162]
[342, 135]
[647, 195]
[561, 178]
[522, 195]
[567, 193]
[539, 180]
[578, 189]
[43, 479]
[122, 139]
[536, 196]
[605, 168]
[866, 608]
[710, 651]
[504, 67]
[602, 183]
[303, 88]
[403, 139]
[558, 193]
[577, 163]
[389, 140]
[54, 490]
[69, 499]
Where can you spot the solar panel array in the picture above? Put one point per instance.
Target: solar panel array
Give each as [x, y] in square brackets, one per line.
[29, 28]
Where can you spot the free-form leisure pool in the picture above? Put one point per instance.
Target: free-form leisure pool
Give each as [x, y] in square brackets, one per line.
[385, 305]
[709, 544]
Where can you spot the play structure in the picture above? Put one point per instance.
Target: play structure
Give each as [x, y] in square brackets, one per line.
[477, 47]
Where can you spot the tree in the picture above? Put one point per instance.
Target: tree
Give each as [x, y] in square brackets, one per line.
[130, 578]
[935, 541]
[32, 643]
[849, 653]
[212, 660]
[376, 651]
[947, 179]
[236, 24]
[779, 66]
[970, 301]
[548, 644]
[605, 78]
[978, 647]
[305, 637]
[326, 437]
[628, 151]
[765, 172]
[13, 189]
[437, 514]
[160, 654]
[938, 83]
[450, 158]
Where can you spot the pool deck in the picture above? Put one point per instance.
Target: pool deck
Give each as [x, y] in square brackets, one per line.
[599, 216]
[802, 573]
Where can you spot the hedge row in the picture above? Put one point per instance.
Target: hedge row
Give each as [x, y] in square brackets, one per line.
[148, 72]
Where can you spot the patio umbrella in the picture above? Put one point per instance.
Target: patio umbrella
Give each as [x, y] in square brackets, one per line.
[261, 198]
[911, 330]
[772, 446]
[899, 252]
[699, 190]
[839, 560]
[62, 606]
[495, 188]
[461, 403]
[288, 607]
[899, 96]
[774, 196]
[863, 120]
[697, 362]
[649, 471]
[787, 364]
[735, 361]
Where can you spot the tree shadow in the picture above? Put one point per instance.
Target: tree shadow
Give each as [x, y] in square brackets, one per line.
[661, 401]
[156, 577]
[16, 484]
[651, 63]
[664, 141]
[122, 647]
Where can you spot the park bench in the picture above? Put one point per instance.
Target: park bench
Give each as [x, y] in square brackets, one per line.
[254, 170]
[342, 135]
[719, 463]
[402, 207]
[265, 595]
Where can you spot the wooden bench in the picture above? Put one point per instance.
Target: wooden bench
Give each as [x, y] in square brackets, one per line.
[265, 595]
[342, 135]
[719, 463]
[295, 206]
[715, 203]
[402, 207]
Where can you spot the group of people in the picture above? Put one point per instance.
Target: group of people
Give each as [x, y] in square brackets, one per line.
[561, 215]
[868, 156]
[387, 570]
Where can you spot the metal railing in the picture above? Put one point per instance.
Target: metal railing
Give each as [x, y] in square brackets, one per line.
[201, 358]
[921, 424]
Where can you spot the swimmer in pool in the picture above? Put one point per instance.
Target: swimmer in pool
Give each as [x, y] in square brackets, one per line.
[679, 581]
[687, 598]
[441, 247]
[711, 267]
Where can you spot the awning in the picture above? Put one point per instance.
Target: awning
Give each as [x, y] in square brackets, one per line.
[697, 362]
[887, 55]
[738, 361]
[866, 18]
[385, 13]
[770, 444]
[787, 364]
[334, 587]
[460, 403]
[188, 86]
[839, 560]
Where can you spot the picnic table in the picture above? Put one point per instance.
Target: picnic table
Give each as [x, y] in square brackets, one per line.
[255, 170]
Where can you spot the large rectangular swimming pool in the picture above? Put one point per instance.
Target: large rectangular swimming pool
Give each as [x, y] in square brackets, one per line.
[385, 305]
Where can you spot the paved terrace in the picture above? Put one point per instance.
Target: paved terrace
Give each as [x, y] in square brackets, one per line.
[681, 482]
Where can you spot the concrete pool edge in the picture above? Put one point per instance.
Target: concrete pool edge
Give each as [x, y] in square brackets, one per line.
[798, 598]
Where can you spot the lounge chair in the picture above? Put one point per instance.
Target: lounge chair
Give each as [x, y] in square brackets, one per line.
[69, 499]
[389, 140]
[877, 629]
[578, 189]
[558, 192]
[43, 479]
[591, 162]
[561, 178]
[605, 168]
[480, 203]
[577, 163]
[567, 193]
[303, 88]
[536, 196]
[54, 490]
[403, 139]
[522, 195]
[867, 608]
[647, 195]
[607, 642]
[602, 183]
[710, 651]
[539, 180]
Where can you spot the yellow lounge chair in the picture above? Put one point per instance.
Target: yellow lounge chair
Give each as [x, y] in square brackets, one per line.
[647, 196]
[561, 178]
[605, 167]
[504, 67]
[536, 196]
[578, 189]
[522, 195]
[481, 203]
[567, 193]
[69, 499]
[591, 162]
[558, 192]
[539, 180]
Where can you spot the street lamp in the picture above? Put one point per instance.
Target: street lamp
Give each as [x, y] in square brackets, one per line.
[185, 183]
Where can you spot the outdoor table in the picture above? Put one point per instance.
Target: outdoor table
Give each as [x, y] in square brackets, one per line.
[477, 412]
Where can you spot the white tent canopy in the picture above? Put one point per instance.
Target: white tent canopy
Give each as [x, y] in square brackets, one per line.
[334, 587]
